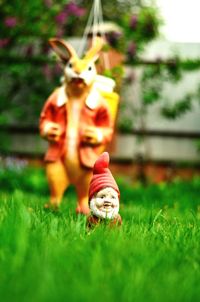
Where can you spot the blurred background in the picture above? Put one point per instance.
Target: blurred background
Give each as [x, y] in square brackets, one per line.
[155, 51]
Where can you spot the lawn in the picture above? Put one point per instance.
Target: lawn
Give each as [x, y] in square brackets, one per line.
[44, 256]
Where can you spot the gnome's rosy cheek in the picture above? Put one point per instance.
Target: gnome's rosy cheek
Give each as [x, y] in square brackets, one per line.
[95, 207]
[98, 201]
[115, 201]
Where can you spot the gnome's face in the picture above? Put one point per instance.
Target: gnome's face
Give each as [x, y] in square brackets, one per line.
[105, 203]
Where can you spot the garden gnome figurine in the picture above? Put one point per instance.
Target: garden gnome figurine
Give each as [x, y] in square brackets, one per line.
[103, 194]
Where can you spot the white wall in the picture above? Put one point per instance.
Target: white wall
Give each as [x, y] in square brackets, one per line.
[157, 148]
[181, 20]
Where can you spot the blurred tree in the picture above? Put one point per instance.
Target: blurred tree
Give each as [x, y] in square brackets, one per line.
[27, 75]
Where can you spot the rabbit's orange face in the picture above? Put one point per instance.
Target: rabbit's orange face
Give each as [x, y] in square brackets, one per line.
[78, 71]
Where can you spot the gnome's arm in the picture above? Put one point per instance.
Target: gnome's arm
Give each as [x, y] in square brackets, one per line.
[117, 220]
[93, 221]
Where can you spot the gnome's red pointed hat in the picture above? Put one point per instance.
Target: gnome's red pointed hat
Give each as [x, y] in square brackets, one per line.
[102, 177]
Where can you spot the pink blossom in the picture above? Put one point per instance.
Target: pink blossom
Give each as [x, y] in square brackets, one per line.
[57, 70]
[61, 18]
[48, 3]
[113, 38]
[133, 22]
[4, 42]
[45, 48]
[29, 51]
[131, 49]
[10, 21]
[73, 9]
[60, 33]
[46, 70]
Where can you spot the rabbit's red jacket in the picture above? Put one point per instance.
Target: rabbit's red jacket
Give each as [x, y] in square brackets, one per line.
[95, 113]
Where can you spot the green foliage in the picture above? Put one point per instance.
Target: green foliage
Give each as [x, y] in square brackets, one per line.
[30, 20]
[23, 97]
[153, 80]
[154, 256]
[115, 73]
[178, 109]
[154, 77]
[28, 73]
[23, 178]
[28, 76]
[125, 122]
[140, 29]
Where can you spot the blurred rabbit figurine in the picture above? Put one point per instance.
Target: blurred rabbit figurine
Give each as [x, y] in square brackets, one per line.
[77, 121]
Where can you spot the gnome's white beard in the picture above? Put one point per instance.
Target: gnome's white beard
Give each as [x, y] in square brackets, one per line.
[105, 203]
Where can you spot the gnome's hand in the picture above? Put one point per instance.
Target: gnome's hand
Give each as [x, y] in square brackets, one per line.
[92, 135]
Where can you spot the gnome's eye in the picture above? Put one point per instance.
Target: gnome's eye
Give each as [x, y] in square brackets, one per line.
[103, 196]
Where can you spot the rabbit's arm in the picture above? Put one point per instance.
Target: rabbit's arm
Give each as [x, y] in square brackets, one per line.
[45, 118]
[96, 135]
[48, 128]
[102, 129]
[105, 125]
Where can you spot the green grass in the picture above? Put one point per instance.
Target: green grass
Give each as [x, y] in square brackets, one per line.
[44, 256]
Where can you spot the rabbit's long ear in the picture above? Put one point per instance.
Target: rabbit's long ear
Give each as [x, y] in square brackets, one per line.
[93, 52]
[64, 50]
